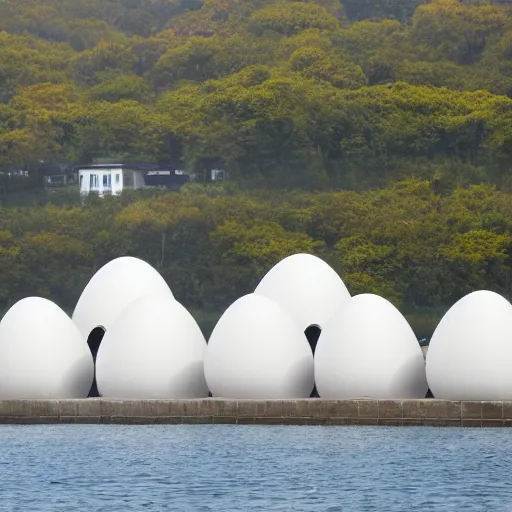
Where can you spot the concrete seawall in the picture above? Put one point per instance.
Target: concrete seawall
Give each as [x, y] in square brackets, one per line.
[429, 412]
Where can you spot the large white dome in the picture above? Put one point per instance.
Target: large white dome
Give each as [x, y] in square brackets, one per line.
[42, 354]
[112, 288]
[369, 350]
[470, 353]
[306, 287]
[257, 351]
[154, 349]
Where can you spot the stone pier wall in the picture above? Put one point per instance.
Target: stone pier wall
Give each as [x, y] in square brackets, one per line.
[429, 412]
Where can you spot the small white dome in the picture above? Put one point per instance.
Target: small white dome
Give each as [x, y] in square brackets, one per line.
[42, 354]
[368, 350]
[154, 349]
[470, 353]
[257, 351]
[112, 288]
[306, 287]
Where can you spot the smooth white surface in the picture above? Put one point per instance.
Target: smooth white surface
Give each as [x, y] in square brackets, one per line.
[257, 351]
[470, 353]
[368, 349]
[154, 349]
[42, 354]
[112, 289]
[306, 287]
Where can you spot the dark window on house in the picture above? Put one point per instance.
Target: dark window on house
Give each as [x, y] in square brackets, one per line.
[117, 178]
[105, 180]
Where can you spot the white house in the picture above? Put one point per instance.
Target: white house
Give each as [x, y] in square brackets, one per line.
[108, 179]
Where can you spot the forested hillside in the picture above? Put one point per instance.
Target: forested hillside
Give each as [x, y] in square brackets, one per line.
[419, 249]
[377, 135]
[281, 93]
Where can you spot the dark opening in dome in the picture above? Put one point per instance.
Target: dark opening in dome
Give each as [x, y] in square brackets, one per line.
[94, 342]
[312, 334]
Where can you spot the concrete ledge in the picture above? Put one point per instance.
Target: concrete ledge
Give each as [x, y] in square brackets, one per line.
[315, 411]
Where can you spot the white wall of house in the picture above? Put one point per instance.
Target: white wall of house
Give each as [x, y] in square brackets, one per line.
[109, 181]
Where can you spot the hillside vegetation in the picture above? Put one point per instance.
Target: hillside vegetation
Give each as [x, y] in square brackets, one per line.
[377, 135]
[281, 93]
[417, 248]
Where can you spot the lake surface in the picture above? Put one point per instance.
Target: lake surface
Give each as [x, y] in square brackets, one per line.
[261, 468]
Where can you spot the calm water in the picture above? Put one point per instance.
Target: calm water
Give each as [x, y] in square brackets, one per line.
[239, 468]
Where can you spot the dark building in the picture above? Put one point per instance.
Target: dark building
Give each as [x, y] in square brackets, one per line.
[166, 178]
[56, 175]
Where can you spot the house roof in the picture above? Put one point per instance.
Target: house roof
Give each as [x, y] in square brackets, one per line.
[144, 167]
[108, 167]
[99, 166]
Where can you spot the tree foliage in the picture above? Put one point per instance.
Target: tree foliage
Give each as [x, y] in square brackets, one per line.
[398, 114]
[311, 94]
[418, 248]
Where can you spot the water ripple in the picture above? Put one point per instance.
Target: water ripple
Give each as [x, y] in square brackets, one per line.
[253, 468]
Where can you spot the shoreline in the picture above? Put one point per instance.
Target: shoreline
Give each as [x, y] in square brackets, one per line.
[315, 411]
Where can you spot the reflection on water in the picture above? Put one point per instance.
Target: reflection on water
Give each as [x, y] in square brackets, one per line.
[260, 468]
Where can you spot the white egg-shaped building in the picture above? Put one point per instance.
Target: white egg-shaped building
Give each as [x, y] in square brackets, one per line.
[258, 351]
[306, 287]
[470, 353]
[42, 353]
[112, 289]
[154, 349]
[369, 350]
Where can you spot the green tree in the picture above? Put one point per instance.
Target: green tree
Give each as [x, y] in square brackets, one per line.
[292, 17]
